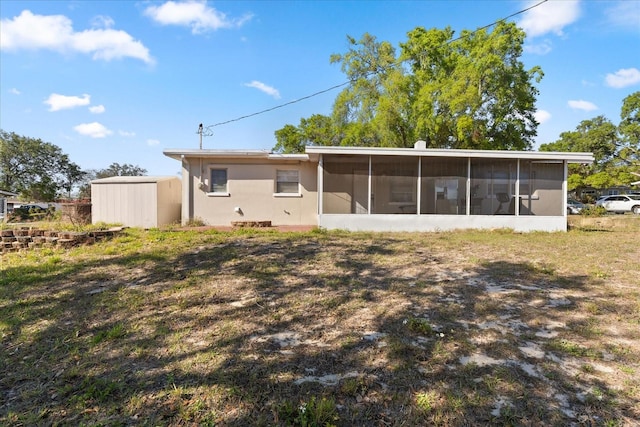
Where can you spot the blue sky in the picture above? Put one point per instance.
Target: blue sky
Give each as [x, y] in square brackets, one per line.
[120, 81]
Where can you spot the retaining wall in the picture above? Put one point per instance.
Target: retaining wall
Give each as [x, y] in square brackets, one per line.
[13, 240]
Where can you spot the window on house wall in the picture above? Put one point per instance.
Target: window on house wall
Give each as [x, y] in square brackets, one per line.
[287, 182]
[219, 181]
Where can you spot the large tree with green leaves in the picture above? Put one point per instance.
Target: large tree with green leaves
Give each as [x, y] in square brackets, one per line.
[114, 169]
[616, 149]
[466, 92]
[34, 169]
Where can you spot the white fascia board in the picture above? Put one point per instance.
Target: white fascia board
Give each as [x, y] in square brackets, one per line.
[299, 157]
[433, 152]
[132, 179]
[233, 154]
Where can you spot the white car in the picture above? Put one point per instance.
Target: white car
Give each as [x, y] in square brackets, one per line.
[621, 203]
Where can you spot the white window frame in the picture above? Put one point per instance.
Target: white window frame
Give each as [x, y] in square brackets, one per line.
[290, 173]
[218, 193]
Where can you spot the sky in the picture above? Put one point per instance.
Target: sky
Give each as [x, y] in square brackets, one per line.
[121, 81]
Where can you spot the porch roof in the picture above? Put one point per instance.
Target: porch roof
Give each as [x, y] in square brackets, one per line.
[434, 152]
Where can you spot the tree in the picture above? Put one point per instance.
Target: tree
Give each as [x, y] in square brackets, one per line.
[316, 130]
[469, 92]
[472, 92]
[616, 149]
[629, 129]
[598, 136]
[35, 169]
[116, 169]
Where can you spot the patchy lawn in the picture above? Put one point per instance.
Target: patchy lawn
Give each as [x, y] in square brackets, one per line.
[262, 328]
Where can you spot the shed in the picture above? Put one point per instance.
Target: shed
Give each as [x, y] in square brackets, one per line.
[4, 195]
[136, 201]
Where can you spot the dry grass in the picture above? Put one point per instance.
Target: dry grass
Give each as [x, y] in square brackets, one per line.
[260, 328]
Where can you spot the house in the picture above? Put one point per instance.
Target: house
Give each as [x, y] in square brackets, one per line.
[136, 201]
[378, 189]
[4, 205]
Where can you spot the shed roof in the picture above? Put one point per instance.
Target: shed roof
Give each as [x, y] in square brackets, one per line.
[7, 193]
[132, 179]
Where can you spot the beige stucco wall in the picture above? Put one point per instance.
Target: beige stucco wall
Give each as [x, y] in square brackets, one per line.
[169, 201]
[251, 188]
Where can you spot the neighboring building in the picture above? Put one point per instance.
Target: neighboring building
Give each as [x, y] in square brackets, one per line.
[4, 205]
[136, 201]
[379, 189]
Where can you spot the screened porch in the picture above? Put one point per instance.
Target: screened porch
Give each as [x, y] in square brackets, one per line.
[353, 184]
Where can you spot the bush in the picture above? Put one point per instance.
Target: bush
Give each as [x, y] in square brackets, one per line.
[593, 211]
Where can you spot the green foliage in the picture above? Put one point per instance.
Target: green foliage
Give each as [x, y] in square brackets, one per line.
[593, 211]
[426, 401]
[418, 325]
[116, 169]
[616, 149]
[35, 169]
[115, 332]
[468, 92]
[314, 413]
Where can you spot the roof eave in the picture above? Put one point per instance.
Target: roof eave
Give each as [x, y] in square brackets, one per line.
[233, 154]
[570, 157]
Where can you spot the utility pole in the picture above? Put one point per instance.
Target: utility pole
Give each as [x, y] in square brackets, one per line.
[200, 130]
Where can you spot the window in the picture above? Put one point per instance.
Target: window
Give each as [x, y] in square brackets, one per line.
[287, 182]
[219, 181]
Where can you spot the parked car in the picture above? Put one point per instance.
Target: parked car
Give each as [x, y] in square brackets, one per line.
[621, 203]
[574, 207]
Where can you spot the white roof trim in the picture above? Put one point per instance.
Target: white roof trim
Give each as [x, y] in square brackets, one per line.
[132, 179]
[233, 154]
[433, 152]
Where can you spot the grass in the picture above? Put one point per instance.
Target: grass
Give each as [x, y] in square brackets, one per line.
[165, 327]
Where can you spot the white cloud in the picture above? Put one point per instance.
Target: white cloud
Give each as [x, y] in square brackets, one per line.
[624, 14]
[541, 48]
[14, 91]
[125, 133]
[623, 78]
[57, 102]
[93, 130]
[97, 109]
[195, 14]
[152, 142]
[542, 116]
[102, 21]
[550, 17]
[582, 105]
[264, 88]
[55, 32]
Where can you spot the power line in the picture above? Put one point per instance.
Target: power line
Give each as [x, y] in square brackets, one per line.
[208, 128]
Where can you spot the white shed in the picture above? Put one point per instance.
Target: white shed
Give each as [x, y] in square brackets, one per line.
[136, 201]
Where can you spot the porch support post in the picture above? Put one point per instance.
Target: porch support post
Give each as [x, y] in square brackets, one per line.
[468, 190]
[369, 188]
[564, 187]
[419, 186]
[320, 184]
[516, 210]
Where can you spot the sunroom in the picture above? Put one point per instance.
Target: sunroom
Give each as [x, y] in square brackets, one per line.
[420, 189]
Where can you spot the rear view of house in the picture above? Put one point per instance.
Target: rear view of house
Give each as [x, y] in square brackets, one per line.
[379, 189]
